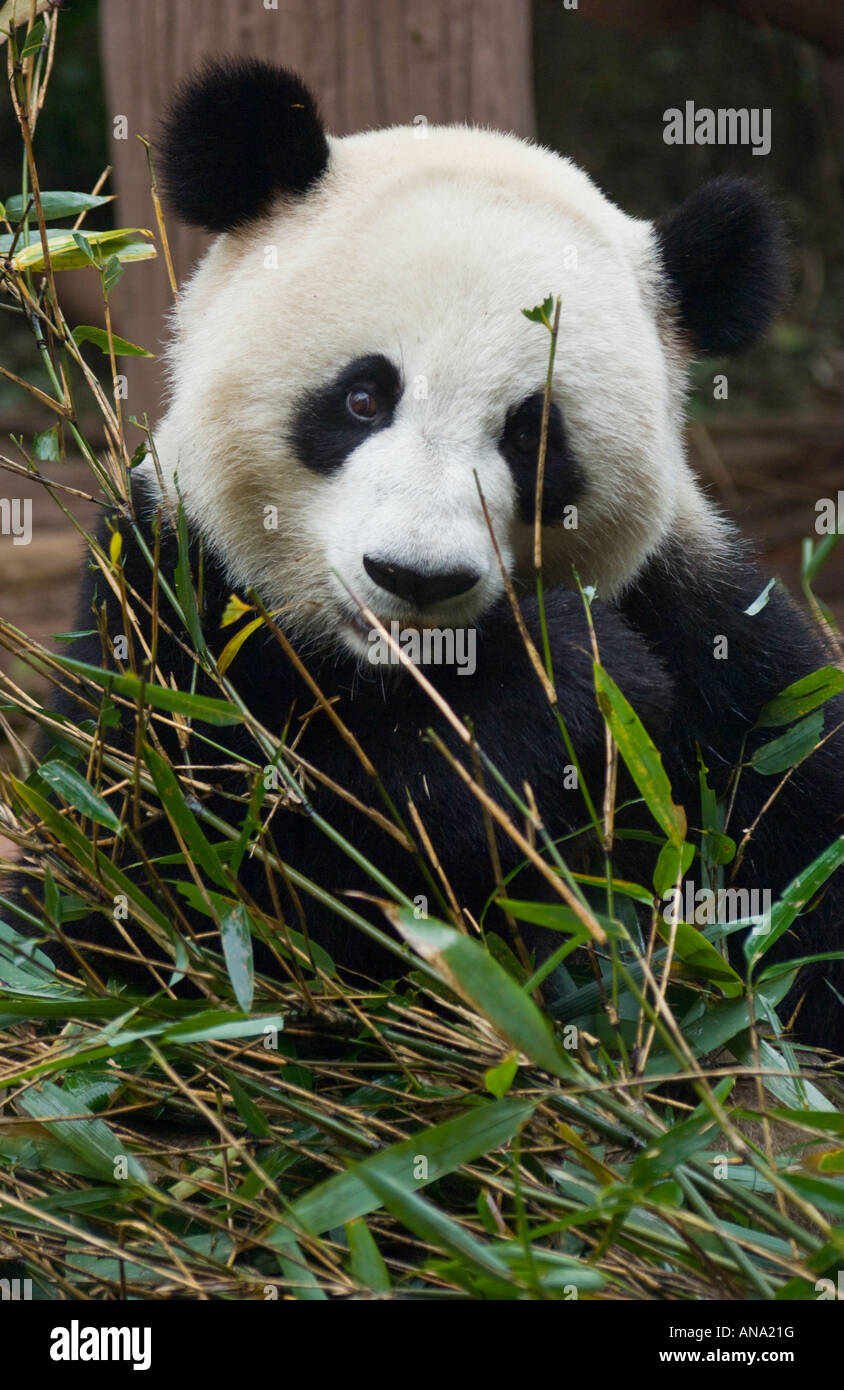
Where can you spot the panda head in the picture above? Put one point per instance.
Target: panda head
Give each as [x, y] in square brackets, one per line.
[351, 372]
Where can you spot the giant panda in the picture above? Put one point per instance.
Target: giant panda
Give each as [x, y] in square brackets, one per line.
[350, 358]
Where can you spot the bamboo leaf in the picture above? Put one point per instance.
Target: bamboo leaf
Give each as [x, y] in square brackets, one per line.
[179, 813]
[644, 762]
[98, 336]
[473, 974]
[234, 610]
[367, 1265]
[434, 1227]
[34, 40]
[791, 903]
[558, 917]
[421, 1159]
[237, 951]
[234, 644]
[203, 707]
[73, 788]
[782, 753]
[700, 958]
[672, 865]
[55, 205]
[90, 1139]
[251, 1114]
[45, 446]
[498, 1080]
[75, 250]
[802, 697]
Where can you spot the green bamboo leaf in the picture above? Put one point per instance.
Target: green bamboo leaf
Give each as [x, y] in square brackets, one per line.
[782, 753]
[184, 583]
[721, 848]
[625, 887]
[216, 1025]
[723, 1022]
[641, 756]
[791, 903]
[828, 1121]
[234, 644]
[542, 313]
[179, 813]
[701, 959]
[203, 707]
[98, 336]
[773, 972]
[680, 1143]
[34, 39]
[792, 1089]
[558, 917]
[72, 788]
[23, 967]
[302, 1280]
[221, 904]
[234, 610]
[237, 952]
[45, 446]
[112, 273]
[83, 244]
[251, 1114]
[499, 1079]
[73, 839]
[421, 1159]
[55, 205]
[671, 865]
[472, 973]
[433, 1226]
[825, 1195]
[91, 1139]
[824, 1263]
[75, 250]
[367, 1265]
[802, 697]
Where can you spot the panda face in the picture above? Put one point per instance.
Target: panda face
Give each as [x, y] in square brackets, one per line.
[356, 394]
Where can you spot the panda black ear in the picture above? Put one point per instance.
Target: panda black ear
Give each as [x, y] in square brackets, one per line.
[723, 252]
[237, 133]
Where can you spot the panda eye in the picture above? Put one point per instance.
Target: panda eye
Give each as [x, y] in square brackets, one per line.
[526, 439]
[363, 403]
[524, 426]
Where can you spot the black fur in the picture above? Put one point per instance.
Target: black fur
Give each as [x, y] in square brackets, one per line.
[323, 431]
[724, 256]
[668, 622]
[682, 603]
[237, 134]
[513, 722]
[562, 482]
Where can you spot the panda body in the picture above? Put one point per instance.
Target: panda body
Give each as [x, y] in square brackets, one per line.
[350, 361]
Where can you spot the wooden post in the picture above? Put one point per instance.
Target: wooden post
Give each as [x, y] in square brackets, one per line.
[369, 63]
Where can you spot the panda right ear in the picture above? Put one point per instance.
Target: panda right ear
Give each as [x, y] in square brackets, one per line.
[238, 133]
[724, 257]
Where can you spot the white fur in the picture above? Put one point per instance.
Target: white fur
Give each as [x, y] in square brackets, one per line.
[426, 250]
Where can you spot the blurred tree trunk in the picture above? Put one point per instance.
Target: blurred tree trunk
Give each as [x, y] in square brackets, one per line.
[369, 63]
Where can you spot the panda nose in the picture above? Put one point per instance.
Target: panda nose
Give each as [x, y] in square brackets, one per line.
[416, 586]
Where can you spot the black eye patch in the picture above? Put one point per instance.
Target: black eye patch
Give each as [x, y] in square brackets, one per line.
[329, 423]
[519, 445]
